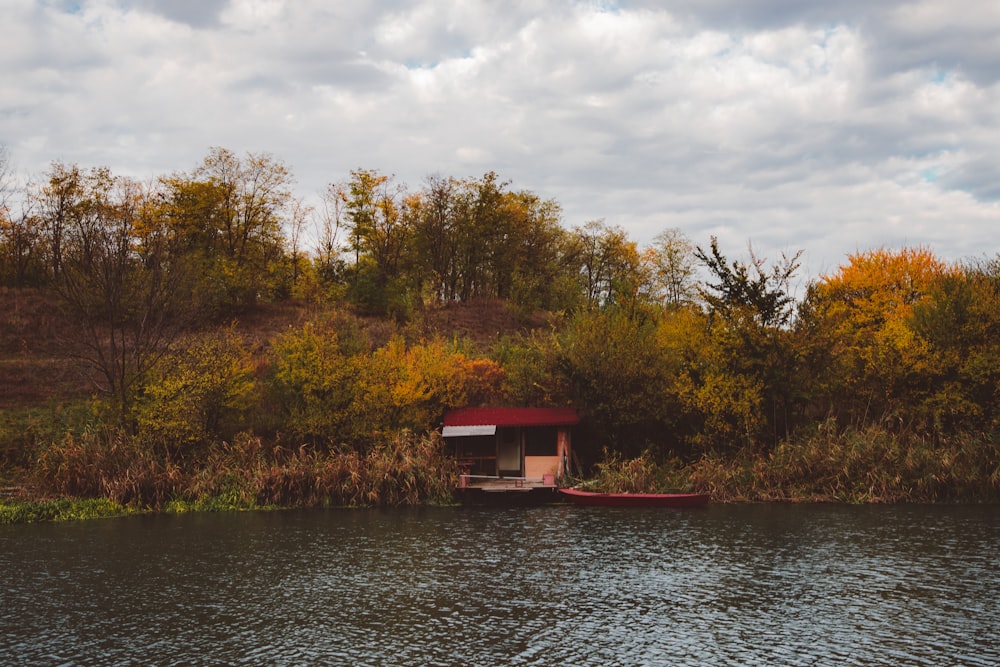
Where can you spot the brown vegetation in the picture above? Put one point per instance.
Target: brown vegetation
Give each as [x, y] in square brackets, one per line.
[401, 470]
[34, 365]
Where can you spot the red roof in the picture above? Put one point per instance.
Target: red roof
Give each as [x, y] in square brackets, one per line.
[512, 417]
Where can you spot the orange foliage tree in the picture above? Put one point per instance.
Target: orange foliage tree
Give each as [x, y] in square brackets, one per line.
[401, 386]
[866, 357]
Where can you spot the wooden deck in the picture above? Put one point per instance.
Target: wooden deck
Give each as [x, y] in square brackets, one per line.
[498, 484]
[506, 490]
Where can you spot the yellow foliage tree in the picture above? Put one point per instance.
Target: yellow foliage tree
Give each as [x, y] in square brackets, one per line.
[314, 381]
[200, 393]
[411, 386]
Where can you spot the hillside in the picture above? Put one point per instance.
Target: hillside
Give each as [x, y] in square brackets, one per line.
[34, 365]
[37, 367]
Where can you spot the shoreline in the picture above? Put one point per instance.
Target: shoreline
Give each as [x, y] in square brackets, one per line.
[65, 510]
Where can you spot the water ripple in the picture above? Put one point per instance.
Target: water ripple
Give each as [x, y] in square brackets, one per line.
[771, 585]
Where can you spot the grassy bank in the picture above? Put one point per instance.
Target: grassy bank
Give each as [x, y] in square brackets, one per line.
[62, 509]
[94, 475]
[858, 466]
[107, 474]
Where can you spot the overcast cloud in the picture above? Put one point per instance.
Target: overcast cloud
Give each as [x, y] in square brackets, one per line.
[829, 126]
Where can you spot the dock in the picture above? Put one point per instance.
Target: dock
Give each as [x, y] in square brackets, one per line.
[489, 489]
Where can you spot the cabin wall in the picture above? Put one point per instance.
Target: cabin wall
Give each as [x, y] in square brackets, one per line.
[536, 467]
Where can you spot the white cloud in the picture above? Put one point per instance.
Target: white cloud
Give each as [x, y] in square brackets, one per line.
[826, 126]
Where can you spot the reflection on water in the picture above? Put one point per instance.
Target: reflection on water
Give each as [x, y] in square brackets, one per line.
[780, 585]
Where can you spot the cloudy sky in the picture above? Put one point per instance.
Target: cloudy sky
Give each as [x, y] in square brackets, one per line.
[828, 126]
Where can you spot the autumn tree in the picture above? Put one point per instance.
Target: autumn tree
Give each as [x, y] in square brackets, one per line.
[201, 394]
[121, 308]
[543, 273]
[6, 180]
[749, 371]
[671, 258]
[411, 386]
[61, 203]
[529, 361]
[435, 238]
[313, 382]
[957, 327]
[458, 240]
[328, 249]
[227, 220]
[609, 265]
[379, 222]
[870, 356]
[376, 227]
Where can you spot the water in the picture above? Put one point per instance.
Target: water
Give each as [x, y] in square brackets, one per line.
[740, 585]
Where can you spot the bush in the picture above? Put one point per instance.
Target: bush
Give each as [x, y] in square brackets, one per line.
[637, 475]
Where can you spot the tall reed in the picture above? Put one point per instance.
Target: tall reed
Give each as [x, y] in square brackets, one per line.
[105, 464]
[872, 465]
[401, 469]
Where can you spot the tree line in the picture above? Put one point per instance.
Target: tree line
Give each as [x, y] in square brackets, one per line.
[234, 224]
[894, 343]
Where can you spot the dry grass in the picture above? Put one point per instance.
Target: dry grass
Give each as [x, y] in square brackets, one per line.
[404, 469]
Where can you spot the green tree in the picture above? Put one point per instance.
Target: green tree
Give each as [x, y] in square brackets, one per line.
[747, 384]
[615, 372]
[745, 293]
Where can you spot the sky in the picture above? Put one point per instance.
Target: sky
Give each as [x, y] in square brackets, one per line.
[831, 127]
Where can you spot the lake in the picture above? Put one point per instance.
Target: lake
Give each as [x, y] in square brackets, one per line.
[556, 585]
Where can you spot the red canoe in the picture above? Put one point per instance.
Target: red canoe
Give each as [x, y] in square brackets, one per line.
[636, 499]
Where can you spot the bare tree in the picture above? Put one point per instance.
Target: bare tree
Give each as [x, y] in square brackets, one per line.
[6, 182]
[19, 234]
[328, 226]
[122, 306]
[673, 264]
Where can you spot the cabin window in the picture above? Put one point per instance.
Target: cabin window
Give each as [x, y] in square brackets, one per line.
[478, 446]
[541, 441]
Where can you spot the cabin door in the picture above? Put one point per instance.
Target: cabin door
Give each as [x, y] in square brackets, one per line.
[509, 453]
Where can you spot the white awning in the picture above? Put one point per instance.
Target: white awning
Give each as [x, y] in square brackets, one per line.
[462, 431]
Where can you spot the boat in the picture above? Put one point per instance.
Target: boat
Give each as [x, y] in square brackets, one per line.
[581, 497]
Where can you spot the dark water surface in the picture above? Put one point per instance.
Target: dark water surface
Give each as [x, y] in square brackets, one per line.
[726, 585]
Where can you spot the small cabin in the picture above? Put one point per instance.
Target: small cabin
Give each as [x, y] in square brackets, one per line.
[511, 448]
